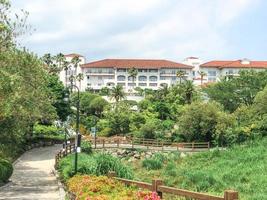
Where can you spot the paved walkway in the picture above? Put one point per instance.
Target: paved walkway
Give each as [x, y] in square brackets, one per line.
[33, 178]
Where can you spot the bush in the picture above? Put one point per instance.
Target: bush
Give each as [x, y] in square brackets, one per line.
[152, 164]
[94, 164]
[40, 130]
[6, 170]
[86, 147]
[92, 187]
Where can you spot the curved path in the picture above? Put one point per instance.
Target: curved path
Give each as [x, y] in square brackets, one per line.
[33, 176]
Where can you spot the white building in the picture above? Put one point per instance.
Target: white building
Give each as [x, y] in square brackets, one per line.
[151, 73]
[215, 70]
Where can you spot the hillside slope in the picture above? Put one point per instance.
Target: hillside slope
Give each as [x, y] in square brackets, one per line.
[242, 168]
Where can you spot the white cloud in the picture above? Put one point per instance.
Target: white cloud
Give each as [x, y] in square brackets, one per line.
[133, 28]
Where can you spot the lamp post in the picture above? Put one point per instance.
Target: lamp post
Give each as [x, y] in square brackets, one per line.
[78, 135]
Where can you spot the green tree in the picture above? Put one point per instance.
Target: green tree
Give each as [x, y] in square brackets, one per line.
[79, 78]
[97, 106]
[202, 75]
[189, 90]
[58, 93]
[204, 122]
[133, 72]
[180, 74]
[239, 90]
[117, 93]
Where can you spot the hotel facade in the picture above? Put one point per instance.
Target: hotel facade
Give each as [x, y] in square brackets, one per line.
[152, 74]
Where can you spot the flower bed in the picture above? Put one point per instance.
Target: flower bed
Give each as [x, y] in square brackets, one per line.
[86, 187]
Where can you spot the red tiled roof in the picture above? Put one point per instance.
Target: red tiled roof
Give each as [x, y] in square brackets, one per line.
[234, 64]
[73, 55]
[137, 63]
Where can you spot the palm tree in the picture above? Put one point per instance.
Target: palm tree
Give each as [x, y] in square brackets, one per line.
[202, 74]
[48, 61]
[180, 74]
[133, 73]
[66, 67]
[60, 58]
[75, 61]
[117, 93]
[79, 78]
[189, 89]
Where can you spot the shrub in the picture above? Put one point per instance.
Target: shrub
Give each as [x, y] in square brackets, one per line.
[94, 164]
[86, 147]
[92, 187]
[6, 170]
[39, 130]
[152, 164]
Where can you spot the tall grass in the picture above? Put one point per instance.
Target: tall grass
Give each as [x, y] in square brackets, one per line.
[94, 164]
[242, 168]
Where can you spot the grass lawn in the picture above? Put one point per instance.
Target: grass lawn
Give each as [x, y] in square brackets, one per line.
[242, 168]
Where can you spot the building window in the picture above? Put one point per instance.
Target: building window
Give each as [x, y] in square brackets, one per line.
[174, 78]
[211, 79]
[99, 77]
[131, 84]
[162, 78]
[110, 71]
[88, 77]
[121, 78]
[173, 72]
[142, 78]
[142, 70]
[122, 84]
[153, 78]
[99, 84]
[121, 70]
[153, 84]
[211, 73]
[142, 84]
[131, 78]
[153, 70]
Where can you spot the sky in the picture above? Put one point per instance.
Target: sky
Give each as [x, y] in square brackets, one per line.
[151, 29]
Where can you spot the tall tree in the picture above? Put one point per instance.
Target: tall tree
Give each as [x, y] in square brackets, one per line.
[133, 72]
[202, 75]
[60, 59]
[66, 67]
[189, 89]
[117, 93]
[75, 61]
[180, 74]
[79, 78]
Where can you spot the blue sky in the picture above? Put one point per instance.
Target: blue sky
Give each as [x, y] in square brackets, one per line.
[160, 29]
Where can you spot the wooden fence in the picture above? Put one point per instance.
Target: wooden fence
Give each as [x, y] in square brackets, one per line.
[70, 148]
[157, 186]
[120, 142]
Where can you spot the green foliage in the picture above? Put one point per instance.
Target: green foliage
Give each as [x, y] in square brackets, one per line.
[240, 168]
[58, 93]
[97, 106]
[118, 119]
[6, 170]
[104, 91]
[232, 93]
[117, 93]
[94, 164]
[155, 162]
[204, 122]
[46, 130]
[86, 147]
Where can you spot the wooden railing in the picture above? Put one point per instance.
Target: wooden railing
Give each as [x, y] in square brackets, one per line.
[157, 186]
[147, 143]
[70, 148]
